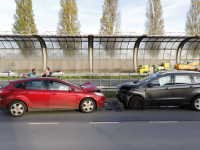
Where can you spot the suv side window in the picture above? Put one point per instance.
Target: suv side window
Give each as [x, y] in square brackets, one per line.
[196, 79]
[35, 85]
[162, 81]
[20, 85]
[183, 79]
[54, 85]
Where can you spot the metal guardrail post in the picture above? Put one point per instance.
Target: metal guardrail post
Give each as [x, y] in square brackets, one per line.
[8, 77]
[100, 80]
[19, 76]
[90, 77]
[60, 75]
[139, 77]
[119, 78]
[110, 80]
[70, 77]
[80, 79]
[129, 76]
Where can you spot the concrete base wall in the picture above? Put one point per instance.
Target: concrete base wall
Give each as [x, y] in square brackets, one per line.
[69, 66]
[112, 66]
[22, 66]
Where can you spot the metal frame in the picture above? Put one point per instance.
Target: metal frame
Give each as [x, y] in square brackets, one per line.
[90, 39]
[44, 51]
[180, 47]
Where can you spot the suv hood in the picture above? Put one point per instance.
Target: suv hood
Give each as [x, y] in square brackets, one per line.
[127, 85]
[89, 87]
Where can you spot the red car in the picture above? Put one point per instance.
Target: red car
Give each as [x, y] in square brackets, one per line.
[19, 96]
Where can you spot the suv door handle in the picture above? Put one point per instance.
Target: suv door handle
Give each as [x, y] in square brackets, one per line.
[168, 88]
[53, 93]
[26, 92]
[191, 87]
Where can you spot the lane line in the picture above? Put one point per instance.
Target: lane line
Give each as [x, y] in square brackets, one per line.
[49, 123]
[103, 122]
[163, 122]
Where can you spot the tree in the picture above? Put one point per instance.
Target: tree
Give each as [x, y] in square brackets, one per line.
[24, 21]
[154, 22]
[68, 18]
[111, 18]
[193, 18]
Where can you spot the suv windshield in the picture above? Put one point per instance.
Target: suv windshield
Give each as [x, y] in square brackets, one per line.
[148, 78]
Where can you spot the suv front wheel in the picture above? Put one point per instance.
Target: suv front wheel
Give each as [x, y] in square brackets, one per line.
[136, 103]
[196, 103]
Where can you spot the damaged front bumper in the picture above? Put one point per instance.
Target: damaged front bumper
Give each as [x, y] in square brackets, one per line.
[123, 99]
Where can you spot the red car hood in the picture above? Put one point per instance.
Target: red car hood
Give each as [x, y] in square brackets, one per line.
[89, 87]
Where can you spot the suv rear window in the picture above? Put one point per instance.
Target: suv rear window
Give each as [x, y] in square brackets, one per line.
[183, 79]
[20, 85]
[196, 79]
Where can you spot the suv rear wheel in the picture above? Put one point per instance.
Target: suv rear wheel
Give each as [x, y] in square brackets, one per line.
[136, 103]
[17, 108]
[196, 103]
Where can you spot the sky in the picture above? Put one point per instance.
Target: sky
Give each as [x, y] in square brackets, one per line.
[90, 11]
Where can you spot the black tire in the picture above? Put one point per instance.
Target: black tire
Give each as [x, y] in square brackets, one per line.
[17, 108]
[87, 105]
[196, 103]
[136, 103]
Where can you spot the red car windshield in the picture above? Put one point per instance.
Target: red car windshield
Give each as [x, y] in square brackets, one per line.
[73, 84]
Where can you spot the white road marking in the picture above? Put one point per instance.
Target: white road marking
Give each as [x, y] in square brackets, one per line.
[163, 121]
[103, 122]
[44, 123]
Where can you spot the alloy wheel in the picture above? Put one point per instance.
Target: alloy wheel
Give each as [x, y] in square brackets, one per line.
[17, 109]
[197, 104]
[88, 106]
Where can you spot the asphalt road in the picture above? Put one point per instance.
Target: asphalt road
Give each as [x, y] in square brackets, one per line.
[151, 129]
[104, 82]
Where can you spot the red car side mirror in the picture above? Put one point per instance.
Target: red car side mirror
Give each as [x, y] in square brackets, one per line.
[71, 89]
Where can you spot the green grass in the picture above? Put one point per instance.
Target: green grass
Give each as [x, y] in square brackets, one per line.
[83, 77]
[11, 78]
[110, 95]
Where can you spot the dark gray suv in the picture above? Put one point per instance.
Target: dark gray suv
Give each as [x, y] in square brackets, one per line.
[170, 88]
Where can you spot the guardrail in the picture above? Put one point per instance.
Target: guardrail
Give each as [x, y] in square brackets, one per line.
[86, 76]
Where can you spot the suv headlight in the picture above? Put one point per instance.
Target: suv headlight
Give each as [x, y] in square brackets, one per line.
[117, 91]
[99, 94]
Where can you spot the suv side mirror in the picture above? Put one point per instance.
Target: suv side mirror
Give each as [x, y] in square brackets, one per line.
[71, 89]
[150, 84]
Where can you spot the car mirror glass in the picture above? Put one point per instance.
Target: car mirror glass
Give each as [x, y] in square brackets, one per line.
[150, 84]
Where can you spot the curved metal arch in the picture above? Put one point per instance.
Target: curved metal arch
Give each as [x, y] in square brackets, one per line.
[90, 49]
[135, 53]
[173, 46]
[189, 48]
[180, 48]
[44, 50]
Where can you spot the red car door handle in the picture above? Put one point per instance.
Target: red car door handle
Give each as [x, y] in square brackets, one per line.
[27, 92]
[53, 93]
